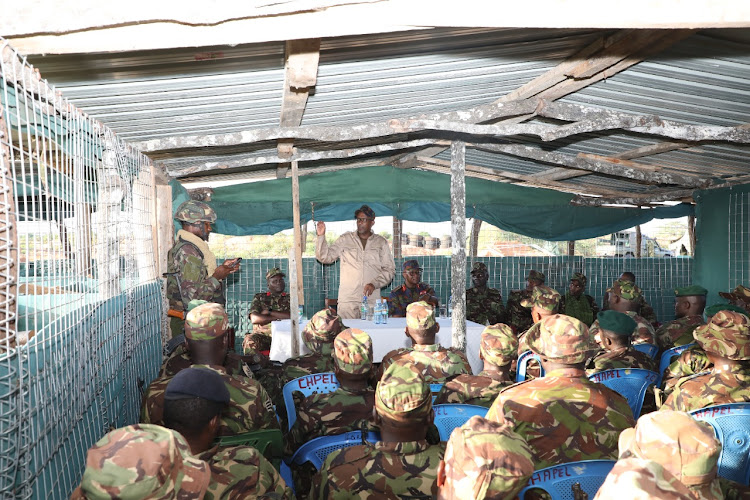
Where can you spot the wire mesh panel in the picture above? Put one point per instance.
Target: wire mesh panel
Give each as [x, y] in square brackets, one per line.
[739, 238]
[80, 303]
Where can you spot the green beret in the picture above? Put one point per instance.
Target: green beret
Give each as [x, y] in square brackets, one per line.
[687, 291]
[712, 310]
[616, 322]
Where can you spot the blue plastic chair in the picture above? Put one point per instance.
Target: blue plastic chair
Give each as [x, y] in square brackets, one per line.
[666, 358]
[435, 389]
[558, 480]
[286, 474]
[317, 383]
[631, 383]
[731, 423]
[650, 349]
[523, 361]
[450, 416]
[316, 450]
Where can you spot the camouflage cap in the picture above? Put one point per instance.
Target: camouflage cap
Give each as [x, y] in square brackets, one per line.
[580, 278]
[498, 344]
[143, 461]
[479, 267]
[409, 265]
[485, 459]
[420, 315]
[352, 351]
[322, 328]
[535, 275]
[402, 395]
[626, 290]
[684, 446]
[543, 297]
[689, 291]
[727, 334]
[712, 310]
[366, 211]
[193, 211]
[206, 322]
[740, 292]
[562, 338]
[274, 271]
[197, 383]
[616, 322]
[644, 479]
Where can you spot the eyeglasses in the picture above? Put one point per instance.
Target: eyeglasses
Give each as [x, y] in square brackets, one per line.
[362, 219]
[413, 273]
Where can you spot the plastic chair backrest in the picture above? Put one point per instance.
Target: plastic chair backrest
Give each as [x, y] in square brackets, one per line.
[270, 442]
[666, 358]
[450, 416]
[523, 361]
[558, 480]
[630, 383]
[731, 423]
[316, 450]
[435, 389]
[650, 349]
[316, 383]
[286, 474]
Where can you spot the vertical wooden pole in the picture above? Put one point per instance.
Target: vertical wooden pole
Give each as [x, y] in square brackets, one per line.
[295, 263]
[458, 235]
[475, 227]
[691, 235]
[397, 225]
[293, 301]
[571, 248]
[638, 238]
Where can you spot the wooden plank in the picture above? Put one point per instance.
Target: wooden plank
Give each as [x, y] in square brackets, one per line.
[476, 226]
[165, 223]
[297, 234]
[397, 231]
[458, 250]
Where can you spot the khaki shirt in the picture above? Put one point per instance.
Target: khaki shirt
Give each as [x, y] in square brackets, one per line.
[373, 264]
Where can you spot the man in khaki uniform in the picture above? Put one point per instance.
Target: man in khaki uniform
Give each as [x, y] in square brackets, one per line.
[366, 262]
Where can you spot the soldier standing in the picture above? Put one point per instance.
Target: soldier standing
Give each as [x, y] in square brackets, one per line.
[520, 316]
[271, 305]
[484, 305]
[690, 301]
[576, 303]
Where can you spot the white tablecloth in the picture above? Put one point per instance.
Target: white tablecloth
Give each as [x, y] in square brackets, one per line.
[385, 338]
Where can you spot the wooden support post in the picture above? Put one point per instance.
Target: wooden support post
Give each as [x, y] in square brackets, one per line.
[397, 229]
[458, 235]
[691, 234]
[297, 296]
[638, 239]
[293, 301]
[475, 227]
[571, 248]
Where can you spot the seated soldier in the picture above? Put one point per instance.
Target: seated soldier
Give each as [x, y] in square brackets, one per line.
[739, 297]
[193, 403]
[318, 337]
[726, 342]
[498, 347]
[643, 308]
[402, 463]
[563, 416]
[686, 448]
[542, 303]
[519, 317]
[616, 328]
[484, 305]
[142, 461]
[688, 310]
[249, 409]
[272, 305]
[577, 304]
[624, 297]
[413, 290]
[436, 364]
[484, 460]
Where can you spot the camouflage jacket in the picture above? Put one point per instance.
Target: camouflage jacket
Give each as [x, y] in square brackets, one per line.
[638, 478]
[402, 296]
[709, 389]
[437, 364]
[519, 317]
[250, 408]
[691, 361]
[242, 472]
[644, 332]
[381, 470]
[308, 363]
[480, 390]
[187, 261]
[180, 359]
[678, 332]
[624, 357]
[564, 418]
[644, 308]
[485, 307]
[267, 301]
[587, 301]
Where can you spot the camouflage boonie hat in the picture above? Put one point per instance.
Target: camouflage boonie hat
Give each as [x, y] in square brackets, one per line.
[626, 290]
[485, 459]
[740, 292]
[728, 335]
[712, 310]
[543, 297]
[366, 211]
[143, 461]
[580, 278]
[352, 351]
[402, 395]
[409, 265]
[498, 344]
[479, 267]
[684, 446]
[193, 211]
[274, 271]
[420, 315]
[644, 479]
[206, 322]
[562, 338]
[322, 327]
[535, 275]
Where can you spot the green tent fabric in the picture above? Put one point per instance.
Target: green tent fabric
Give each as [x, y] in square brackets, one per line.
[416, 195]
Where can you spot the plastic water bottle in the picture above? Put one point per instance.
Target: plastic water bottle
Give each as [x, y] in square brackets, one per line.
[301, 315]
[450, 306]
[376, 312]
[384, 317]
[363, 308]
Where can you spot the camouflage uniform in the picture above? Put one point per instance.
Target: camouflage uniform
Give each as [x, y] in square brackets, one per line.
[582, 307]
[484, 459]
[644, 308]
[387, 470]
[498, 346]
[726, 336]
[484, 306]
[643, 479]
[542, 297]
[242, 472]
[318, 337]
[563, 416]
[644, 333]
[519, 317]
[260, 339]
[678, 332]
[142, 461]
[180, 359]
[435, 363]
[624, 357]
[691, 361]
[402, 296]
